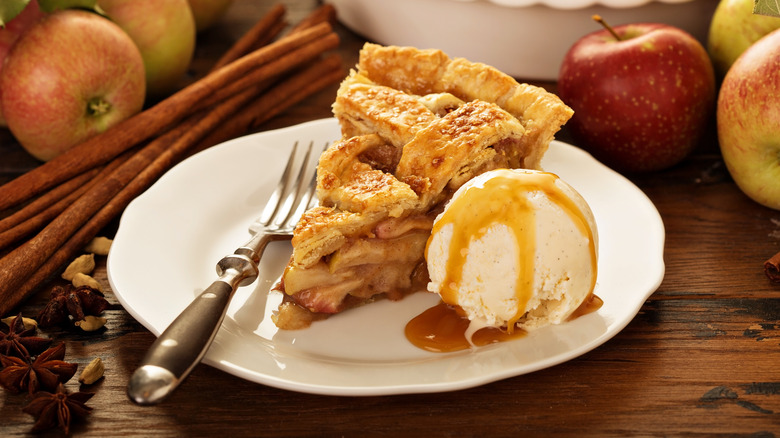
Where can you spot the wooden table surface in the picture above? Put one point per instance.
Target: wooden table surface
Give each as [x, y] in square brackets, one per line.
[702, 357]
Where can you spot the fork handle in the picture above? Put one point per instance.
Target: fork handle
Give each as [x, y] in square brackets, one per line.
[184, 343]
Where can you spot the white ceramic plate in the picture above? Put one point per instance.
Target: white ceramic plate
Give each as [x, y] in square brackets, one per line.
[171, 237]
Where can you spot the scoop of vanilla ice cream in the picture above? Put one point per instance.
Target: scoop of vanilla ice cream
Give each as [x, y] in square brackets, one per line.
[514, 246]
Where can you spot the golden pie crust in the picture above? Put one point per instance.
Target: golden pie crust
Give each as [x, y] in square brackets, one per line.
[416, 125]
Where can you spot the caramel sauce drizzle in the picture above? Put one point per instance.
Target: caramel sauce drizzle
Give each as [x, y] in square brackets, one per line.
[500, 200]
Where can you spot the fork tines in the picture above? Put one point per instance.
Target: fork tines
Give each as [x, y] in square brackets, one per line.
[294, 193]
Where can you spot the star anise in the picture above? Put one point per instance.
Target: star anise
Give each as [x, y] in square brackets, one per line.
[58, 408]
[45, 372]
[74, 301]
[20, 342]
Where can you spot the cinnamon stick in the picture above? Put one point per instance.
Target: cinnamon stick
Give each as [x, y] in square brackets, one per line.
[772, 268]
[45, 201]
[324, 14]
[21, 271]
[105, 146]
[280, 97]
[296, 89]
[270, 25]
[39, 220]
[280, 65]
[262, 31]
[272, 33]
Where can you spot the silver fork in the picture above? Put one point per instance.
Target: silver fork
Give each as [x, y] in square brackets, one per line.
[184, 343]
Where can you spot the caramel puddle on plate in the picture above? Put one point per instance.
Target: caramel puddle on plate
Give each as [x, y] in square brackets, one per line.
[442, 328]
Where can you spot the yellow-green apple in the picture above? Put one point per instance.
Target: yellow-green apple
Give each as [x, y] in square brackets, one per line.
[15, 27]
[208, 12]
[641, 93]
[164, 31]
[748, 118]
[70, 76]
[734, 28]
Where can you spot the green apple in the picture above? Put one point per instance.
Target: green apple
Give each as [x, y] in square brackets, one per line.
[734, 28]
[748, 119]
[71, 75]
[164, 31]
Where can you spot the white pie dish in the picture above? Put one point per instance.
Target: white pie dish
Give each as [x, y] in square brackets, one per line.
[171, 237]
[524, 38]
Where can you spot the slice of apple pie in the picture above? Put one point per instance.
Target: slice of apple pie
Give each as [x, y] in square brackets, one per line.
[416, 125]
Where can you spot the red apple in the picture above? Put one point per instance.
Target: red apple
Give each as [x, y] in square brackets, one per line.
[164, 31]
[641, 97]
[73, 74]
[15, 27]
[748, 118]
[208, 12]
